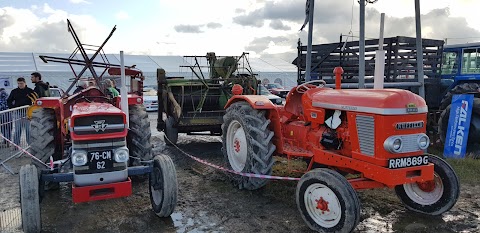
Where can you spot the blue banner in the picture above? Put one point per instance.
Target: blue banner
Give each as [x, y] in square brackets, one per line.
[458, 125]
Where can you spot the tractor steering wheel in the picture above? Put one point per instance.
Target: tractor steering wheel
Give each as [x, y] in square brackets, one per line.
[302, 88]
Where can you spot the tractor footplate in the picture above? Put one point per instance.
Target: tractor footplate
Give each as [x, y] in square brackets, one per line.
[101, 192]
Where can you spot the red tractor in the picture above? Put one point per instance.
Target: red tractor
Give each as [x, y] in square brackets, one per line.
[87, 139]
[376, 136]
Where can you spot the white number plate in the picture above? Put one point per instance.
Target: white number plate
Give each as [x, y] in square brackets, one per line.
[408, 161]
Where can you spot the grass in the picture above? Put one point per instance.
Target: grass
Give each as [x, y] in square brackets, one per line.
[467, 169]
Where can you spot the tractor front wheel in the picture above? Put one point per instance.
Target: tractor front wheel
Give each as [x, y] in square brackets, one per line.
[163, 186]
[247, 144]
[30, 199]
[432, 197]
[327, 202]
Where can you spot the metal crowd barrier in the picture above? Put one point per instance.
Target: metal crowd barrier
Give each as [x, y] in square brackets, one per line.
[14, 133]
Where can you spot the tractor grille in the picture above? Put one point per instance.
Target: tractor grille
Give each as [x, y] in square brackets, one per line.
[366, 134]
[410, 143]
[98, 124]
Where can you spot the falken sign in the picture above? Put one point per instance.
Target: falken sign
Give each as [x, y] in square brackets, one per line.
[458, 126]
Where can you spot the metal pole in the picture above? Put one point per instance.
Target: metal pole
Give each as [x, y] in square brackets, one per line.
[309, 45]
[418, 25]
[361, 62]
[123, 89]
[380, 58]
[382, 29]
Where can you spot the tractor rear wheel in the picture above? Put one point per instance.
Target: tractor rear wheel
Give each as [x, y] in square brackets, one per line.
[459, 89]
[163, 186]
[138, 138]
[43, 129]
[171, 133]
[432, 197]
[327, 202]
[42, 134]
[30, 199]
[247, 144]
[473, 132]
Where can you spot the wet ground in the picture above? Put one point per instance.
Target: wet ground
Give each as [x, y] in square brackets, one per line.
[208, 202]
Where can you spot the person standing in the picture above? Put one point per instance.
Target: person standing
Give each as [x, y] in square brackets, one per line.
[17, 98]
[41, 88]
[5, 117]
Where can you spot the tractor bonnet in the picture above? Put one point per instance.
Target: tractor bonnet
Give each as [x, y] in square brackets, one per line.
[383, 102]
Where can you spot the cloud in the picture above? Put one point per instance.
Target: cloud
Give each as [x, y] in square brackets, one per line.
[122, 15]
[213, 25]
[44, 30]
[260, 44]
[80, 1]
[252, 19]
[278, 25]
[238, 11]
[184, 28]
[294, 11]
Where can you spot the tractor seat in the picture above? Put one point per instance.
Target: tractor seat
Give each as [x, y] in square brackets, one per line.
[293, 103]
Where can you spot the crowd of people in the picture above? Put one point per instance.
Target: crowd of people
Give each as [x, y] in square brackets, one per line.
[25, 96]
[18, 97]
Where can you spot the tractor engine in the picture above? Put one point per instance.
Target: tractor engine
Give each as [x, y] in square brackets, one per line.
[99, 150]
[381, 127]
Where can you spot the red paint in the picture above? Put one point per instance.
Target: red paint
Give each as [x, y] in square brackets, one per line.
[101, 192]
[237, 89]
[338, 71]
[322, 205]
[427, 186]
[299, 127]
[237, 145]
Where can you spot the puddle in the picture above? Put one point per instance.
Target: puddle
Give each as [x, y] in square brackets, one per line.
[200, 224]
[11, 220]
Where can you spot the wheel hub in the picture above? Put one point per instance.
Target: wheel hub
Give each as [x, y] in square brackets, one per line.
[322, 205]
[236, 145]
[427, 186]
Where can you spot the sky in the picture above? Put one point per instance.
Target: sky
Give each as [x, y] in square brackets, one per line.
[265, 28]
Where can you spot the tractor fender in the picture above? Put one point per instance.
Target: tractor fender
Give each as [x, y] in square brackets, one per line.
[256, 101]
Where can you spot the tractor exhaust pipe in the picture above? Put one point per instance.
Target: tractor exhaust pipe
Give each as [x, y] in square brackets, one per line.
[338, 71]
[123, 89]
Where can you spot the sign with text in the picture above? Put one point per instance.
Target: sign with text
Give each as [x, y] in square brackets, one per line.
[458, 125]
[5, 83]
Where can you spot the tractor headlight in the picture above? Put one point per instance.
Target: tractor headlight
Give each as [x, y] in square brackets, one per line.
[423, 141]
[79, 158]
[393, 144]
[121, 155]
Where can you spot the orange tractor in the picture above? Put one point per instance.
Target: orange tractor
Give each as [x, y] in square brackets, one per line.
[378, 136]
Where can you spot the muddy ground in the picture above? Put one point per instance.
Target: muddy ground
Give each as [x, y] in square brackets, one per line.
[208, 202]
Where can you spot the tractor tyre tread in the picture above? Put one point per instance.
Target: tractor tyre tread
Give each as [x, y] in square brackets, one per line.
[42, 134]
[138, 138]
[170, 187]
[30, 199]
[259, 141]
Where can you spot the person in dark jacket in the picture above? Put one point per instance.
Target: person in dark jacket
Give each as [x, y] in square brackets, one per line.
[5, 117]
[41, 88]
[17, 98]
